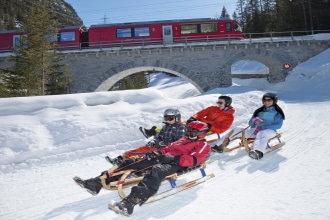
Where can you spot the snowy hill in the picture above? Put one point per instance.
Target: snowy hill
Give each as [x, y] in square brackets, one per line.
[45, 141]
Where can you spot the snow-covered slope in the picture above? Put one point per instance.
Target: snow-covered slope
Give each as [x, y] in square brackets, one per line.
[45, 141]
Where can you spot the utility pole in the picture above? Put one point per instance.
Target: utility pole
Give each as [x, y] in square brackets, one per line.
[310, 15]
[105, 19]
[304, 11]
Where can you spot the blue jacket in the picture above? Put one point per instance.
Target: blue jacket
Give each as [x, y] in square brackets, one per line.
[271, 119]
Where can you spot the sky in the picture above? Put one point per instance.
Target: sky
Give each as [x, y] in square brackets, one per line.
[46, 141]
[110, 11]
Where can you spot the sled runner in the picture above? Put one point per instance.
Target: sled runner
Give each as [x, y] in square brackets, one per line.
[129, 178]
[247, 142]
[173, 190]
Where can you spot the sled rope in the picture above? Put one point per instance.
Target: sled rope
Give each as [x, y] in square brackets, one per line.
[238, 132]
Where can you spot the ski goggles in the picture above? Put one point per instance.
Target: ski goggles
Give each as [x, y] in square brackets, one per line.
[191, 132]
[169, 118]
[267, 100]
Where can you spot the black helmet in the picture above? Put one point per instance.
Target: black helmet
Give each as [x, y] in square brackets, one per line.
[273, 96]
[172, 112]
[227, 99]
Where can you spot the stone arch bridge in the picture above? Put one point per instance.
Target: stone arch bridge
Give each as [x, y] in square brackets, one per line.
[206, 66]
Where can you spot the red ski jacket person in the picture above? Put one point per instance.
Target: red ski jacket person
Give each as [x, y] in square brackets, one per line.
[219, 118]
[188, 151]
[191, 152]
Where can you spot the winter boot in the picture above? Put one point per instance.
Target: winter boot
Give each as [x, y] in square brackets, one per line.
[114, 161]
[92, 185]
[255, 154]
[217, 149]
[127, 204]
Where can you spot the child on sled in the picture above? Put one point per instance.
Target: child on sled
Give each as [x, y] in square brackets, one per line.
[172, 131]
[188, 151]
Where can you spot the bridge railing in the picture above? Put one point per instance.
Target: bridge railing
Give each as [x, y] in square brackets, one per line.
[285, 36]
[210, 39]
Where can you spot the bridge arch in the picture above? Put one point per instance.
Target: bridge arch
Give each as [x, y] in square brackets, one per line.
[273, 60]
[114, 75]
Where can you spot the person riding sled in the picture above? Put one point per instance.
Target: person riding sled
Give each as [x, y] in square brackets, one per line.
[265, 121]
[190, 150]
[219, 118]
[172, 131]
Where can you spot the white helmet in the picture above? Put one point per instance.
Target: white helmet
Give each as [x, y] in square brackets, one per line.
[172, 112]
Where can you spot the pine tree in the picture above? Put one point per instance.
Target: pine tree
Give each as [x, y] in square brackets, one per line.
[37, 69]
[241, 13]
[224, 13]
[234, 16]
[4, 86]
[141, 80]
[60, 78]
[135, 81]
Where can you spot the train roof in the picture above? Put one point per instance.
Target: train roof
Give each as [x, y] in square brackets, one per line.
[70, 27]
[159, 21]
[63, 28]
[8, 31]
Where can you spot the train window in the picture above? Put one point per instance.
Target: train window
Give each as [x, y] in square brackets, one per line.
[189, 28]
[167, 31]
[51, 37]
[141, 32]
[207, 28]
[67, 36]
[19, 41]
[228, 27]
[124, 32]
[16, 40]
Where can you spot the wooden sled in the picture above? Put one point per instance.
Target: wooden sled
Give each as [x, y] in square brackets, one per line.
[212, 137]
[129, 179]
[248, 142]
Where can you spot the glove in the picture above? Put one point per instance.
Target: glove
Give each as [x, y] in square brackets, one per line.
[256, 130]
[169, 159]
[191, 119]
[151, 144]
[152, 155]
[257, 120]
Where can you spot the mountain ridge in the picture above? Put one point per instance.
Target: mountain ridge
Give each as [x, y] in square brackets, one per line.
[12, 12]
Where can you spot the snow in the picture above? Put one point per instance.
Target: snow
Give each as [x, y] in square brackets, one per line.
[45, 141]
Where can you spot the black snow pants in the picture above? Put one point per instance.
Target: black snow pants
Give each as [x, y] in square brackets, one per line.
[151, 181]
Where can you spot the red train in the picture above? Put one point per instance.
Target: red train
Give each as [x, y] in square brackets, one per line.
[67, 37]
[137, 34]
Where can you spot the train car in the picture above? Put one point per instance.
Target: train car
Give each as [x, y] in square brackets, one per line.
[66, 38]
[8, 40]
[163, 32]
[134, 34]
[69, 38]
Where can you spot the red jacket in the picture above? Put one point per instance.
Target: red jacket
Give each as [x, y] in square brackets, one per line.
[219, 119]
[192, 152]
